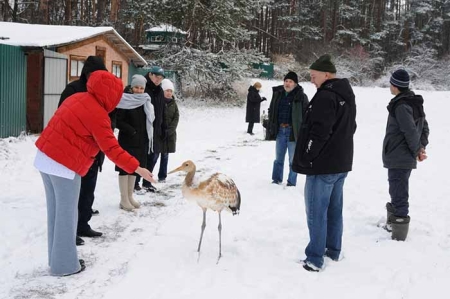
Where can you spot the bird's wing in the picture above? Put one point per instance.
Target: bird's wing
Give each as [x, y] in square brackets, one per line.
[221, 189]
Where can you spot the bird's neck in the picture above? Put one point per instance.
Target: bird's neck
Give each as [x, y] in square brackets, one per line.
[189, 180]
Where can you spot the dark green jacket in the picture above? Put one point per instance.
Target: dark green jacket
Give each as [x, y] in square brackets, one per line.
[171, 118]
[299, 104]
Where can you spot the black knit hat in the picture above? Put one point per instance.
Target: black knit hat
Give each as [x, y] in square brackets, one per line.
[323, 64]
[400, 78]
[92, 64]
[291, 75]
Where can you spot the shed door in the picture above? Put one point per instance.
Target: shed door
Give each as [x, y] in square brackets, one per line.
[55, 80]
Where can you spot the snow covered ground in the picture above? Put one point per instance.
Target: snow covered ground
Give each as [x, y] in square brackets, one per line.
[151, 253]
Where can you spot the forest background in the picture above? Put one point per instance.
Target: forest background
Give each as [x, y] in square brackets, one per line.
[367, 38]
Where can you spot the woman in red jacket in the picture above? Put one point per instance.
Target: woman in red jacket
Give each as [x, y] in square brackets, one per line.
[66, 150]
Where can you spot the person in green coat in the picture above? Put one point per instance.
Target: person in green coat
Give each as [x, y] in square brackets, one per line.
[286, 110]
[171, 117]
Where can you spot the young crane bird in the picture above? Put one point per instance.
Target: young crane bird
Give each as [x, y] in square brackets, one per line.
[217, 193]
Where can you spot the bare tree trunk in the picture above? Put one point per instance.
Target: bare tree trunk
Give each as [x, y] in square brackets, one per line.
[101, 6]
[68, 12]
[272, 30]
[4, 11]
[92, 13]
[324, 24]
[335, 19]
[81, 12]
[43, 10]
[114, 11]
[260, 26]
[266, 28]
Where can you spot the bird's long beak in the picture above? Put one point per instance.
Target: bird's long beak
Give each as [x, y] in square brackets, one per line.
[176, 170]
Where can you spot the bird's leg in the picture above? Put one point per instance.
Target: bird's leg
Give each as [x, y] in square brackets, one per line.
[220, 238]
[203, 229]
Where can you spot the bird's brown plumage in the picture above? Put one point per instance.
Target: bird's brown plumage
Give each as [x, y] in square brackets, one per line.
[217, 193]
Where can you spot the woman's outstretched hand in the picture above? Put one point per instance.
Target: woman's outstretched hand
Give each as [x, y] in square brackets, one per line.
[146, 174]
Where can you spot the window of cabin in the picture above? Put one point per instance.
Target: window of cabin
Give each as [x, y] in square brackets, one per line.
[157, 38]
[117, 68]
[101, 52]
[76, 65]
[174, 40]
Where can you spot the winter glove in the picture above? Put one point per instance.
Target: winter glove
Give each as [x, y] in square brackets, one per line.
[263, 99]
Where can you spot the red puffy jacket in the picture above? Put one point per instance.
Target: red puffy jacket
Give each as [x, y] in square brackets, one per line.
[81, 127]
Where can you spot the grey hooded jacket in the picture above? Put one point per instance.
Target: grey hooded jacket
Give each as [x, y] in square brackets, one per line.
[406, 131]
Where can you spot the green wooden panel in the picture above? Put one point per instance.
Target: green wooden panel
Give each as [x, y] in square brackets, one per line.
[13, 102]
[267, 69]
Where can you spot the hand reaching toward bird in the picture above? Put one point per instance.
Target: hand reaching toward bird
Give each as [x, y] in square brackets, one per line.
[146, 174]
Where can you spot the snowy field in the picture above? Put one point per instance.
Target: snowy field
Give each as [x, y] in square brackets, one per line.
[151, 253]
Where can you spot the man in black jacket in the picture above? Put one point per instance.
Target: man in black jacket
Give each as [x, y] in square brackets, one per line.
[154, 90]
[404, 144]
[89, 181]
[324, 152]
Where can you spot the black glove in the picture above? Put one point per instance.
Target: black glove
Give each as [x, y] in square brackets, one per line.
[263, 99]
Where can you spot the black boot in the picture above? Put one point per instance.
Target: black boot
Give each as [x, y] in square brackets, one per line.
[90, 233]
[79, 241]
[390, 211]
[400, 227]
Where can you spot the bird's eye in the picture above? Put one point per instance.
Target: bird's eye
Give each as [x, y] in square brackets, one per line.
[186, 164]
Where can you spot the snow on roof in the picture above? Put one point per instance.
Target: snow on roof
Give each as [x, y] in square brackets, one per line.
[34, 35]
[166, 28]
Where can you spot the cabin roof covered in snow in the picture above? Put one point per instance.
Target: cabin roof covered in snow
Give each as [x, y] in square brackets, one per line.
[34, 35]
[165, 28]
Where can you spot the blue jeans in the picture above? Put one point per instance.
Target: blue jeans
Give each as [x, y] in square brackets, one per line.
[283, 144]
[323, 202]
[399, 190]
[162, 174]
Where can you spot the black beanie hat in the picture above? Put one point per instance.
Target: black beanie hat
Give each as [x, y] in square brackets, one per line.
[92, 64]
[400, 78]
[291, 75]
[323, 64]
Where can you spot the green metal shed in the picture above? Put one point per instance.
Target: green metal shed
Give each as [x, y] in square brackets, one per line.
[13, 101]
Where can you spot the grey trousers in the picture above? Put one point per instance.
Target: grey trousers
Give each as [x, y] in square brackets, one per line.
[62, 217]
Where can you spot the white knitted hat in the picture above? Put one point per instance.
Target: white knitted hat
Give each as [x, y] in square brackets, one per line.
[167, 84]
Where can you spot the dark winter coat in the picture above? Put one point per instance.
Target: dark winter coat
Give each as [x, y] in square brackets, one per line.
[171, 118]
[406, 131]
[253, 105]
[299, 102]
[133, 134]
[159, 127]
[92, 64]
[326, 142]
